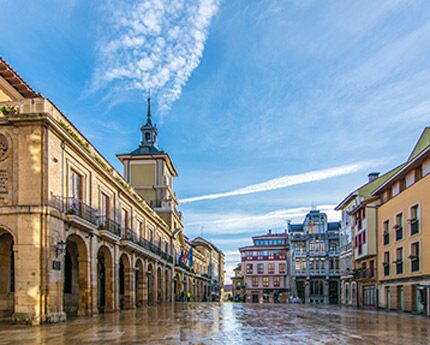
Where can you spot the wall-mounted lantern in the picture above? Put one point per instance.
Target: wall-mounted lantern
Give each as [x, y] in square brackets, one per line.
[60, 248]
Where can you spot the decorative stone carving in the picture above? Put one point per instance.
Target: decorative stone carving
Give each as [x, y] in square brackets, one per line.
[4, 147]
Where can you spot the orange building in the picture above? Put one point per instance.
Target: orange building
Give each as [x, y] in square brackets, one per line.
[404, 234]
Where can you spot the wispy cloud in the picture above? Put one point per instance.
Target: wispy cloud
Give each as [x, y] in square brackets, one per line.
[214, 224]
[151, 44]
[286, 181]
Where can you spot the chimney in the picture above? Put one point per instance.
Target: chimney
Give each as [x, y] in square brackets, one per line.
[373, 176]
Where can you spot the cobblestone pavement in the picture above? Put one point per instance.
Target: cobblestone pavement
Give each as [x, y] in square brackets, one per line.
[213, 323]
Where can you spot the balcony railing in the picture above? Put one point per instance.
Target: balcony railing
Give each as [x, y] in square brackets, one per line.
[364, 273]
[73, 206]
[110, 225]
[132, 236]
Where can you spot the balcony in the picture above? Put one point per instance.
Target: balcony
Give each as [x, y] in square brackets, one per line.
[110, 225]
[364, 273]
[132, 236]
[75, 207]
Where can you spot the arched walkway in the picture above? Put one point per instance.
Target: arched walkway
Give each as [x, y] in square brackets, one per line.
[150, 284]
[75, 289]
[7, 275]
[104, 280]
[167, 286]
[177, 287]
[159, 286]
[125, 293]
[139, 283]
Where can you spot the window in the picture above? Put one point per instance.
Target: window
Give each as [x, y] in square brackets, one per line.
[249, 269]
[139, 230]
[297, 264]
[124, 219]
[317, 288]
[386, 229]
[75, 185]
[386, 263]
[265, 281]
[418, 173]
[104, 205]
[399, 260]
[415, 257]
[399, 227]
[254, 281]
[414, 221]
[260, 268]
[276, 282]
[282, 268]
[271, 268]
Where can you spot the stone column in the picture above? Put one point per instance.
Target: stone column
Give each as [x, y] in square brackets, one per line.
[307, 291]
[326, 291]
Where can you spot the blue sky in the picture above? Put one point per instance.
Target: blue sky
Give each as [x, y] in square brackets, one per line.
[245, 92]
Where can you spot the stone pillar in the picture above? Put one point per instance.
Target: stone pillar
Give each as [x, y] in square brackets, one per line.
[326, 291]
[115, 276]
[307, 291]
[92, 253]
[409, 298]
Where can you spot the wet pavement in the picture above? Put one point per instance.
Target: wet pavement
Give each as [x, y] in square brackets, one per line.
[213, 323]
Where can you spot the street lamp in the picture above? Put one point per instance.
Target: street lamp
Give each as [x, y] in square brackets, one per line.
[60, 248]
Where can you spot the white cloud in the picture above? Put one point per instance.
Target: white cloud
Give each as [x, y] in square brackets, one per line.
[214, 224]
[286, 181]
[151, 44]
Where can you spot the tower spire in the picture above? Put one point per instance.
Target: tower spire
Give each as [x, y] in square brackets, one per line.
[148, 112]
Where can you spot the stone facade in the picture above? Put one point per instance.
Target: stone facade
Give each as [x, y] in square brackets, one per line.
[314, 259]
[75, 236]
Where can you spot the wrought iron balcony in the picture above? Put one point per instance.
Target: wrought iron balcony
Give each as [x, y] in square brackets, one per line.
[73, 206]
[364, 273]
[110, 225]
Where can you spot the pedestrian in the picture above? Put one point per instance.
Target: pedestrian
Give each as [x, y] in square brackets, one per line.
[182, 297]
[188, 296]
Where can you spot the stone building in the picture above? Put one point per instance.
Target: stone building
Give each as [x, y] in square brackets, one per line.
[404, 233]
[238, 284]
[215, 259]
[314, 259]
[265, 270]
[76, 237]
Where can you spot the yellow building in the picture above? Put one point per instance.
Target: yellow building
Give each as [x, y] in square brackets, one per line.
[404, 233]
[76, 238]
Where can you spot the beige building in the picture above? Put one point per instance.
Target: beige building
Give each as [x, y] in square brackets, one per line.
[76, 237]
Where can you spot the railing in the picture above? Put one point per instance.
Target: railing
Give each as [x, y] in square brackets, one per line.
[73, 206]
[155, 203]
[110, 225]
[364, 273]
[132, 236]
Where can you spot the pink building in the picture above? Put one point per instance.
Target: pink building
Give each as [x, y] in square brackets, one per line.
[265, 268]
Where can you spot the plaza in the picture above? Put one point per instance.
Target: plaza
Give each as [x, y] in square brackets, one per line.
[229, 323]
